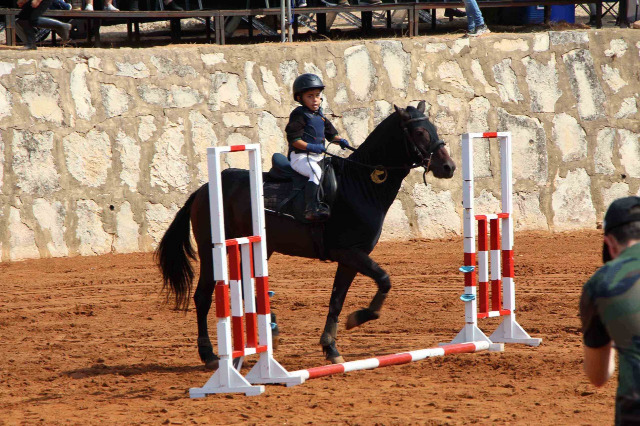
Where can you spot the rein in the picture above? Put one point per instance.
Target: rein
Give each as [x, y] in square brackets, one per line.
[383, 170]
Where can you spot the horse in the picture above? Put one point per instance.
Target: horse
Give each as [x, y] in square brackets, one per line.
[368, 182]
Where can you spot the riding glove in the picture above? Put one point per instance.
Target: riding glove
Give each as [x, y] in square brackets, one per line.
[343, 143]
[316, 148]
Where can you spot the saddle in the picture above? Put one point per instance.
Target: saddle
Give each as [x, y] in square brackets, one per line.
[284, 187]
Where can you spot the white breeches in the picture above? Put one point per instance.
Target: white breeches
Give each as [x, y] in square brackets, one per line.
[307, 165]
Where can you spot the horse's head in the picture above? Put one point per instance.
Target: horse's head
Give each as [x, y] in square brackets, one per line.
[424, 146]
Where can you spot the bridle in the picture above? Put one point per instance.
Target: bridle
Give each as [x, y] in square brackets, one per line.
[424, 160]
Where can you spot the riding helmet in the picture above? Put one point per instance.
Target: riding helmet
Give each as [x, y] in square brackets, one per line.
[306, 82]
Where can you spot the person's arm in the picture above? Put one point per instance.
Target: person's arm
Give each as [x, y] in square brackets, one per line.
[35, 3]
[599, 364]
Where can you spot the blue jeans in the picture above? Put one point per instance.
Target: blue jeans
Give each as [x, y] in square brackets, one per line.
[474, 16]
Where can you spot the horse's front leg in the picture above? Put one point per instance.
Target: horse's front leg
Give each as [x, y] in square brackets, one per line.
[361, 262]
[343, 279]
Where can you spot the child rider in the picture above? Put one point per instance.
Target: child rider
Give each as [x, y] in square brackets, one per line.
[306, 131]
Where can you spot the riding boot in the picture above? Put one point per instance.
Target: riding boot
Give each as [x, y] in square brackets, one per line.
[314, 211]
[29, 32]
[62, 29]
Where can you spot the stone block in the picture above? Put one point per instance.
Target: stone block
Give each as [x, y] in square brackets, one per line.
[527, 213]
[130, 155]
[435, 212]
[507, 82]
[127, 231]
[361, 72]
[224, 90]
[132, 70]
[603, 158]
[51, 219]
[570, 137]
[80, 92]
[585, 84]
[396, 224]
[88, 157]
[529, 146]
[33, 162]
[630, 152]
[203, 136]
[40, 94]
[254, 97]
[542, 81]
[92, 238]
[571, 201]
[397, 63]
[612, 193]
[169, 168]
[356, 123]
[22, 242]
[158, 217]
[269, 84]
[114, 100]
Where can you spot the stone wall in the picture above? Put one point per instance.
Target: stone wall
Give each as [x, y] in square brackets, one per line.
[99, 148]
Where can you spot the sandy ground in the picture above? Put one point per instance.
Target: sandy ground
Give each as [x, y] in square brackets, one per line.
[89, 340]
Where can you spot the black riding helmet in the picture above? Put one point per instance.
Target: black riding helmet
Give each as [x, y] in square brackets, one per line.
[306, 82]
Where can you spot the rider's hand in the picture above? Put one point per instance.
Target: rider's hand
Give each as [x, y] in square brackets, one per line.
[316, 148]
[342, 142]
[35, 3]
[21, 3]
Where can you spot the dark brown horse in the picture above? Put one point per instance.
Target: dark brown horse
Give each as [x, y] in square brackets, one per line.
[403, 141]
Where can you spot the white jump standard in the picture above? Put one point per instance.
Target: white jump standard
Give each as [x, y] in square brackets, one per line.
[502, 278]
[248, 277]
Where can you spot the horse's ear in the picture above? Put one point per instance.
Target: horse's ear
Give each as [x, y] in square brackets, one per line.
[402, 112]
[421, 106]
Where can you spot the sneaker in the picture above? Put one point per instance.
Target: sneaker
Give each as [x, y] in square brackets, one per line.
[478, 31]
[172, 6]
[29, 47]
[302, 3]
[111, 8]
[89, 7]
[343, 3]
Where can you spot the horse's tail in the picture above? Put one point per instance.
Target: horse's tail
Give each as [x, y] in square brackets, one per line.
[173, 254]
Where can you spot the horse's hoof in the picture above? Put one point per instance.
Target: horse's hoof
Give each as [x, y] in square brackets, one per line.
[212, 365]
[361, 316]
[337, 360]
[331, 354]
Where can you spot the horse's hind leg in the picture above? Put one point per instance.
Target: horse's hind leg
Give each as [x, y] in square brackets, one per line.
[343, 279]
[206, 284]
[361, 262]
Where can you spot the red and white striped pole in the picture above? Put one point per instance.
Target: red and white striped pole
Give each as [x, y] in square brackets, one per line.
[395, 359]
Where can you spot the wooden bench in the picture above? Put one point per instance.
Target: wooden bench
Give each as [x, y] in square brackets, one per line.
[133, 18]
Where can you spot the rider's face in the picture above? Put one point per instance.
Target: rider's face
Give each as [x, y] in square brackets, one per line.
[312, 99]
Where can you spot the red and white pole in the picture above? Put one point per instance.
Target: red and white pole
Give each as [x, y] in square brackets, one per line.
[395, 359]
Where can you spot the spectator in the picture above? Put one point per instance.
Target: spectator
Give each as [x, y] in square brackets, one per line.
[475, 21]
[610, 310]
[108, 5]
[371, 2]
[31, 16]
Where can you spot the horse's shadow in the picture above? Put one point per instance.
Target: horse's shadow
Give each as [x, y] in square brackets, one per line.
[130, 370]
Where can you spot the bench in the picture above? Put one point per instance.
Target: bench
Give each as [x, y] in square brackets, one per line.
[133, 18]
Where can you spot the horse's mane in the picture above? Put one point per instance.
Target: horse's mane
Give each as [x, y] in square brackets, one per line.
[384, 144]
